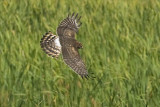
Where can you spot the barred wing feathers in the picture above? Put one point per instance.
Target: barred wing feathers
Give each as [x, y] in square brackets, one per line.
[66, 32]
[72, 58]
[69, 26]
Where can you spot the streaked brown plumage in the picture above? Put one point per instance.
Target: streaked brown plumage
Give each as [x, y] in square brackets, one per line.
[69, 45]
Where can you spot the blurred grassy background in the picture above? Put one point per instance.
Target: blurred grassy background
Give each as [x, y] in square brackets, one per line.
[121, 40]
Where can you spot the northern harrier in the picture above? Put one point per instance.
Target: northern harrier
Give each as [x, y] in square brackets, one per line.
[66, 43]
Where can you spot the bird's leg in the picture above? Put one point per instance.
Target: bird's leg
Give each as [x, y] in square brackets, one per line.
[79, 45]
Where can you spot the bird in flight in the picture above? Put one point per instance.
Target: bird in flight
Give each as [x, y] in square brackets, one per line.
[66, 44]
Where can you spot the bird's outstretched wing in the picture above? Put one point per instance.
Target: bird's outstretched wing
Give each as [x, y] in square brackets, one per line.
[50, 44]
[66, 32]
[69, 26]
[72, 59]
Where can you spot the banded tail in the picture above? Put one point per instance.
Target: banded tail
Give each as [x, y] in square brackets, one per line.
[51, 45]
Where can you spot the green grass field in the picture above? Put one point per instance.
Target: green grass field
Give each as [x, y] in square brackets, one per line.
[121, 40]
